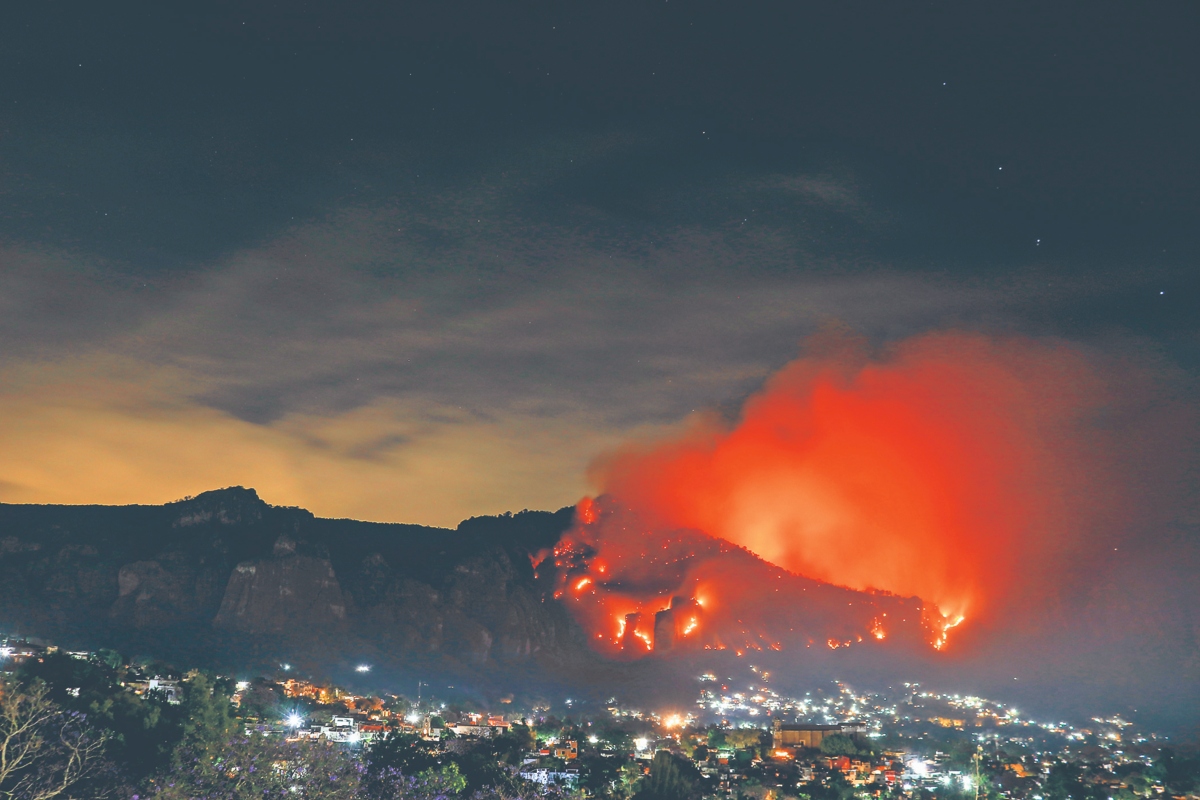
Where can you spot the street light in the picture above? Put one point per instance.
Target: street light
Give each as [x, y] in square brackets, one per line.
[294, 720]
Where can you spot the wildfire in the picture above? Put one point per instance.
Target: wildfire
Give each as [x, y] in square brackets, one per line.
[639, 591]
[920, 474]
[942, 630]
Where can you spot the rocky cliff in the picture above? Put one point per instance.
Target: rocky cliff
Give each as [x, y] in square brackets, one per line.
[227, 570]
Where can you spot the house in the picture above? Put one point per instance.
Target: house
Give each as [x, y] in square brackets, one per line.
[811, 736]
[470, 731]
[169, 689]
[339, 729]
[546, 777]
[567, 750]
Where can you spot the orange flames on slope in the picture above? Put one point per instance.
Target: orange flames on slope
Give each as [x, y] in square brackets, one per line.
[929, 473]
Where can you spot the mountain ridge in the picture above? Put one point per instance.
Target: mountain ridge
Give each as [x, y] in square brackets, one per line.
[228, 581]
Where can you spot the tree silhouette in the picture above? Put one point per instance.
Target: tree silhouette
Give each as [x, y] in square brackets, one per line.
[670, 778]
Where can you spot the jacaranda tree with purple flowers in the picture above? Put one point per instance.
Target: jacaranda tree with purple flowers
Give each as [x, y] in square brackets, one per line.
[262, 768]
[46, 753]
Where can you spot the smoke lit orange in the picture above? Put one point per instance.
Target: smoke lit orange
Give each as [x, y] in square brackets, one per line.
[932, 472]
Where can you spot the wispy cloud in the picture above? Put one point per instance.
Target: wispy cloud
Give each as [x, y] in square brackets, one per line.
[423, 361]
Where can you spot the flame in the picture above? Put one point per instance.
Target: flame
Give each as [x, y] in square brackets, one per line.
[942, 629]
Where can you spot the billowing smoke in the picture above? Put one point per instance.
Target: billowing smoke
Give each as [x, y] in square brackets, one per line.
[954, 468]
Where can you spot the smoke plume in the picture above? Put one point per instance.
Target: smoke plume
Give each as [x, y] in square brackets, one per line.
[954, 468]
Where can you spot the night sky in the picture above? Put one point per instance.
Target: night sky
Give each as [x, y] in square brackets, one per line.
[420, 261]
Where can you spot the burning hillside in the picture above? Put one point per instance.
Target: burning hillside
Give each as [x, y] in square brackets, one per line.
[937, 471]
[639, 590]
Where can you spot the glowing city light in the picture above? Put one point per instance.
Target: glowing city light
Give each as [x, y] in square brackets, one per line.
[363, 668]
[641, 743]
[294, 720]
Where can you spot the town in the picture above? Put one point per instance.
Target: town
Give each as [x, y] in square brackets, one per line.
[743, 741]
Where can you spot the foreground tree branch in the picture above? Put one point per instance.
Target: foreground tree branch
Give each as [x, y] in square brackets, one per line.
[45, 752]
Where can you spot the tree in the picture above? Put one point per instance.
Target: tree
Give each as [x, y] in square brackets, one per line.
[208, 719]
[839, 744]
[262, 700]
[263, 768]
[141, 732]
[401, 753]
[513, 745]
[747, 737]
[610, 777]
[45, 752]
[1179, 774]
[670, 778]
[829, 785]
[109, 658]
[1065, 782]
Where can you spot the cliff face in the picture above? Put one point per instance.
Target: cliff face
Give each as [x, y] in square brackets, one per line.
[165, 591]
[282, 593]
[225, 565]
[485, 609]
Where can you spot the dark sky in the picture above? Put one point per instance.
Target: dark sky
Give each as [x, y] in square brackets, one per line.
[438, 255]
[417, 261]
